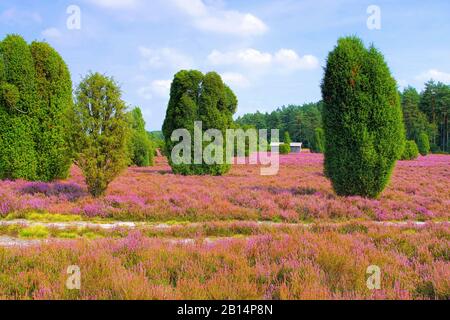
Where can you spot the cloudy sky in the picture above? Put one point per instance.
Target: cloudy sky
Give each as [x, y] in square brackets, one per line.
[271, 52]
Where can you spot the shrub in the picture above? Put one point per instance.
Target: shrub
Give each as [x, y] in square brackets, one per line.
[411, 151]
[318, 145]
[35, 95]
[141, 148]
[197, 97]
[363, 122]
[423, 144]
[55, 100]
[99, 131]
[17, 110]
[285, 148]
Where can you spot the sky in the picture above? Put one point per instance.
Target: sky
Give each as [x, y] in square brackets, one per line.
[270, 52]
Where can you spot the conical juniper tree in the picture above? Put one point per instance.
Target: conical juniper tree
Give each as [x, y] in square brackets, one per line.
[195, 97]
[100, 131]
[54, 91]
[364, 131]
[18, 107]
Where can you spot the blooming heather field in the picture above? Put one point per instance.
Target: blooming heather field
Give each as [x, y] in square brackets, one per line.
[240, 236]
[420, 190]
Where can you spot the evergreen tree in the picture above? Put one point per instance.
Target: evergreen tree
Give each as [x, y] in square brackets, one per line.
[318, 145]
[54, 91]
[100, 131]
[18, 108]
[197, 97]
[415, 120]
[364, 131]
[423, 144]
[435, 103]
[140, 145]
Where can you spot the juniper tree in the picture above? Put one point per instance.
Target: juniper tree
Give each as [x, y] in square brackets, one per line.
[364, 131]
[54, 91]
[140, 146]
[197, 97]
[99, 131]
[18, 107]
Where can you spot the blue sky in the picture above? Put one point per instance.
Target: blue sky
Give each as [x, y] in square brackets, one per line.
[271, 52]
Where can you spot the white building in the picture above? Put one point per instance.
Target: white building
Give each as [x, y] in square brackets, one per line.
[296, 147]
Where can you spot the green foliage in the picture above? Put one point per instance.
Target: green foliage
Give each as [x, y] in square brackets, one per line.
[100, 131]
[197, 97]
[364, 131]
[17, 110]
[54, 88]
[35, 96]
[423, 143]
[299, 121]
[318, 145]
[411, 151]
[285, 148]
[415, 120]
[140, 146]
[287, 138]
[9, 96]
[435, 103]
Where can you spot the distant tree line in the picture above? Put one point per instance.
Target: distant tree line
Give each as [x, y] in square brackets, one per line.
[425, 114]
[300, 121]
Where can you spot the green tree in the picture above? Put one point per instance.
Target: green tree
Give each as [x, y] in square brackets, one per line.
[435, 103]
[318, 146]
[18, 107]
[415, 120]
[410, 151]
[423, 144]
[140, 145]
[364, 131]
[54, 88]
[100, 131]
[197, 97]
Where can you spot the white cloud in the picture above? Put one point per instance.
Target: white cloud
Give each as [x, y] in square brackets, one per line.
[290, 59]
[164, 58]
[235, 79]
[435, 75]
[115, 4]
[284, 59]
[160, 88]
[245, 57]
[14, 16]
[212, 19]
[51, 33]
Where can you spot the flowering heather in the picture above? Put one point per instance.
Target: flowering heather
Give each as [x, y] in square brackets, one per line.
[321, 263]
[419, 190]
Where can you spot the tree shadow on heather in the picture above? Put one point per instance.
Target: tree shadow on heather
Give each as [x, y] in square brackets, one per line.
[69, 191]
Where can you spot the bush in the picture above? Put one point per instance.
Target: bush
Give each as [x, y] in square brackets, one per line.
[423, 144]
[318, 145]
[141, 148]
[100, 131]
[35, 96]
[17, 110]
[411, 151]
[55, 100]
[197, 97]
[363, 122]
[285, 148]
